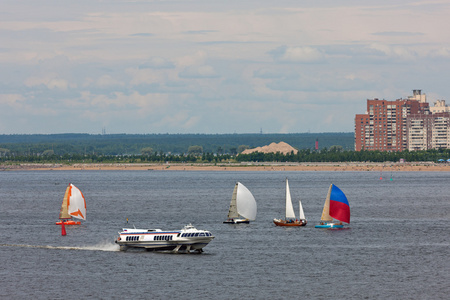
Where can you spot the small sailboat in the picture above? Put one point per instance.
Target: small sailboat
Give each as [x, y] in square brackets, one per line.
[242, 204]
[336, 207]
[290, 219]
[73, 206]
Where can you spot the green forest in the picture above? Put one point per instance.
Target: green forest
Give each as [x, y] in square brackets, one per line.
[194, 148]
[134, 144]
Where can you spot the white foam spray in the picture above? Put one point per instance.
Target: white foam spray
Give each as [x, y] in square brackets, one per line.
[105, 246]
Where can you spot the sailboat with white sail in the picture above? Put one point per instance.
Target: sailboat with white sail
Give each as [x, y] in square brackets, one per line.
[73, 206]
[290, 219]
[243, 204]
[336, 207]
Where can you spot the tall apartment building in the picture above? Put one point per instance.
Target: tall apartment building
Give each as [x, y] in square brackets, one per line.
[384, 126]
[430, 131]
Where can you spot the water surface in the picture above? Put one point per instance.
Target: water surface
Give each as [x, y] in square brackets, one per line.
[397, 245]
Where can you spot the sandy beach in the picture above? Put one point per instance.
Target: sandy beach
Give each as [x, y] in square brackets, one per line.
[344, 166]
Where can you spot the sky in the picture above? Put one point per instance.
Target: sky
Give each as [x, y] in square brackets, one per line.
[214, 67]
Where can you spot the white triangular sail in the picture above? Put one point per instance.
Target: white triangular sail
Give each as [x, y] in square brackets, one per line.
[326, 208]
[232, 213]
[290, 214]
[76, 204]
[302, 214]
[245, 202]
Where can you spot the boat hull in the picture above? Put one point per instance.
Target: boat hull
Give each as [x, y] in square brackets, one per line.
[288, 223]
[329, 225]
[237, 221]
[169, 246]
[188, 239]
[68, 222]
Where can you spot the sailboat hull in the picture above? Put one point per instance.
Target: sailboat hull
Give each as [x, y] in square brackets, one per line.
[329, 225]
[292, 223]
[237, 221]
[70, 222]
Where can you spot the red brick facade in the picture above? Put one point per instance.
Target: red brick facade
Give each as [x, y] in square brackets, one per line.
[383, 127]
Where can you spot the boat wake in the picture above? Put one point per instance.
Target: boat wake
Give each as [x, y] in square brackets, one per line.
[98, 247]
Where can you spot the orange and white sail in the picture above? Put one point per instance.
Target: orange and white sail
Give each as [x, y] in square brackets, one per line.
[74, 204]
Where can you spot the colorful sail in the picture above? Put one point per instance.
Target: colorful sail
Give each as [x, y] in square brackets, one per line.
[339, 206]
[74, 204]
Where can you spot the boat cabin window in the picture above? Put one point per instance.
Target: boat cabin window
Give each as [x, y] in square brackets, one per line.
[192, 234]
[163, 238]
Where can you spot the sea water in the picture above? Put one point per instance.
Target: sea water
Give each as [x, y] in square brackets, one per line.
[397, 245]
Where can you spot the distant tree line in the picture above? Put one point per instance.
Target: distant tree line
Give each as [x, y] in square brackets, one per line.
[126, 144]
[305, 155]
[334, 155]
[193, 148]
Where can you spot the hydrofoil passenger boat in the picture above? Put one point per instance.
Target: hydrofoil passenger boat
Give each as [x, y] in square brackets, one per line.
[187, 239]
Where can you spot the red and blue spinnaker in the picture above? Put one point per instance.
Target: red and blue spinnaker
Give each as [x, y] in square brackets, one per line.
[339, 206]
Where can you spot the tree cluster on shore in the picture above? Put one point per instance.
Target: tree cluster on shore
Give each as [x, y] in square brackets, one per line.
[193, 148]
[306, 155]
[135, 144]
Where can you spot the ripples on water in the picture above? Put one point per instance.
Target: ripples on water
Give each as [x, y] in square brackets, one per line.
[396, 247]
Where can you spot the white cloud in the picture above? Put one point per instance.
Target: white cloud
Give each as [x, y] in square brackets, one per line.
[442, 52]
[10, 99]
[297, 55]
[157, 63]
[144, 76]
[57, 83]
[51, 82]
[399, 52]
[107, 81]
[203, 71]
[182, 120]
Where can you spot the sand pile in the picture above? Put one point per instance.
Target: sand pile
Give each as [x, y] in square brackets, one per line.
[281, 147]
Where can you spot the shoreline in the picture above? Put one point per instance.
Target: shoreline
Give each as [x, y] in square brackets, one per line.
[342, 166]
